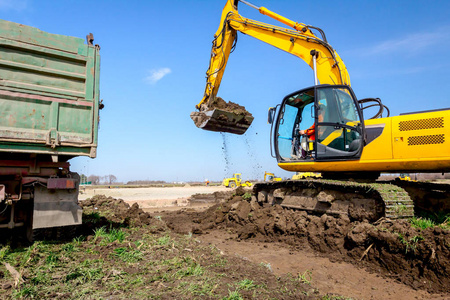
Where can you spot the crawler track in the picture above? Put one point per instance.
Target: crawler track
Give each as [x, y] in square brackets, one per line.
[431, 198]
[358, 201]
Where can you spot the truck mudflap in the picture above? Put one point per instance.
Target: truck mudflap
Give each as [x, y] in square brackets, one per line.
[56, 207]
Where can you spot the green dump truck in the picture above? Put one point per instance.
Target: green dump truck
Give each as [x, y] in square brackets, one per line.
[49, 113]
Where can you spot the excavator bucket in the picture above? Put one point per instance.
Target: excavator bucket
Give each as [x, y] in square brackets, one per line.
[222, 121]
[219, 115]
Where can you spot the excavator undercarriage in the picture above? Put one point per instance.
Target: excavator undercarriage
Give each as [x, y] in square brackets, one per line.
[358, 201]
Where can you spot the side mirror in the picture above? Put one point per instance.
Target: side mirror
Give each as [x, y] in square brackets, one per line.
[271, 115]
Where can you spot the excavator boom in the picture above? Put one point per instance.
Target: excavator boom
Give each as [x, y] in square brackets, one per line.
[214, 113]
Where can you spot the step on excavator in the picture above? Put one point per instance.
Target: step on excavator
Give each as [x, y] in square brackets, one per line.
[322, 128]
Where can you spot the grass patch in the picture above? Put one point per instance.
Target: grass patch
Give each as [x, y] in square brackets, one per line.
[306, 277]
[109, 236]
[165, 240]
[247, 196]
[411, 244]
[246, 284]
[127, 254]
[233, 295]
[266, 265]
[130, 263]
[422, 223]
[430, 220]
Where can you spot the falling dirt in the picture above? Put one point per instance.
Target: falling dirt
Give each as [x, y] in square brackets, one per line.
[393, 249]
[225, 154]
[253, 155]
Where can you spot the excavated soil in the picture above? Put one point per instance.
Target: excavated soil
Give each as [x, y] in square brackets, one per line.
[199, 117]
[100, 211]
[392, 248]
[229, 106]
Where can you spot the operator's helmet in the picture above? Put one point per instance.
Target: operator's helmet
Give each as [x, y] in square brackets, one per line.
[321, 110]
[322, 104]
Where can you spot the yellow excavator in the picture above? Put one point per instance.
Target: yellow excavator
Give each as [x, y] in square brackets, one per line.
[271, 177]
[341, 142]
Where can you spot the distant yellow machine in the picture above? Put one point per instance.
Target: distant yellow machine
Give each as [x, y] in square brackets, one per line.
[271, 177]
[405, 177]
[236, 181]
[303, 175]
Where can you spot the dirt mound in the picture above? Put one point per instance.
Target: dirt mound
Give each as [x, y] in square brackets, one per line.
[418, 258]
[211, 197]
[101, 210]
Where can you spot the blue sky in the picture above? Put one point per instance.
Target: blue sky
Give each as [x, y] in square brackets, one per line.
[155, 55]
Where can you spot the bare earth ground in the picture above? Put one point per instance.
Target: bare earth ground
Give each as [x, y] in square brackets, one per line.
[152, 197]
[329, 276]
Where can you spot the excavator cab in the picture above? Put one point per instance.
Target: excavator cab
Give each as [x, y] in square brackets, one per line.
[331, 116]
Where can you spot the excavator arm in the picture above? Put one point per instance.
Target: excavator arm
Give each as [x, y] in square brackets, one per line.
[214, 113]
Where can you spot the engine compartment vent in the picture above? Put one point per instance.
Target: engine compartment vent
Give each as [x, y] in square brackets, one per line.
[421, 124]
[426, 139]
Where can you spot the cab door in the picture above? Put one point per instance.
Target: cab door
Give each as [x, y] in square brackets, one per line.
[339, 131]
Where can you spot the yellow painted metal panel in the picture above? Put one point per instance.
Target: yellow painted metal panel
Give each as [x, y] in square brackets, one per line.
[381, 147]
[389, 166]
[424, 135]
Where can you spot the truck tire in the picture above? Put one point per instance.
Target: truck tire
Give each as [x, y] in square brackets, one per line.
[232, 184]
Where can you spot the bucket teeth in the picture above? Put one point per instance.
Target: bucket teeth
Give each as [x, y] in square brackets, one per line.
[222, 121]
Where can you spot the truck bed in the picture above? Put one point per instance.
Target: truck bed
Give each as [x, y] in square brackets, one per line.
[49, 92]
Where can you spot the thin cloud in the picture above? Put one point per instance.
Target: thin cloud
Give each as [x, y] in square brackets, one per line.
[412, 44]
[17, 5]
[156, 75]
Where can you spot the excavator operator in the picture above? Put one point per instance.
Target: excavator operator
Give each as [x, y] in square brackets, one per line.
[307, 144]
[311, 131]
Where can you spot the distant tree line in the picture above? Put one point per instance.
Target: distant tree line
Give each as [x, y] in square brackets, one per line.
[142, 182]
[97, 180]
